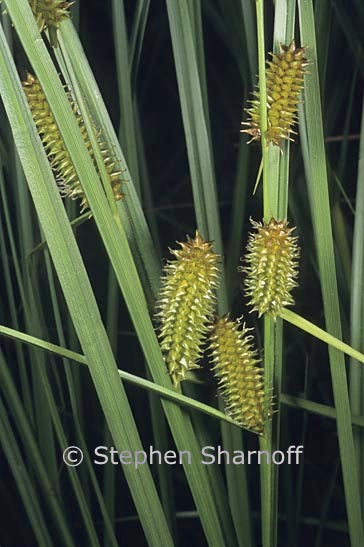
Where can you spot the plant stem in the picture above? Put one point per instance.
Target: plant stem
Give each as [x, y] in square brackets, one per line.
[263, 101]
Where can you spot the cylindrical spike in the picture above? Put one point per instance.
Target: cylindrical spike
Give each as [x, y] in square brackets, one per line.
[284, 81]
[56, 149]
[186, 303]
[271, 266]
[240, 378]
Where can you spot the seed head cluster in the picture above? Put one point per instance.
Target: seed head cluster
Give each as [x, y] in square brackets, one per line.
[271, 270]
[239, 376]
[56, 150]
[186, 305]
[284, 81]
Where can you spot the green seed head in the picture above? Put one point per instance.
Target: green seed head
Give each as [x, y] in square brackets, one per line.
[50, 13]
[284, 81]
[239, 376]
[56, 150]
[271, 271]
[186, 304]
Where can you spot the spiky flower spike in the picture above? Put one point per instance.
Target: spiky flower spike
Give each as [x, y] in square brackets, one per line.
[239, 376]
[187, 302]
[271, 271]
[49, 14]
[56, 150]
[284, 81]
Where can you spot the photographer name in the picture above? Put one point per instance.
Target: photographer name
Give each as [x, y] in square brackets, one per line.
[209, 455]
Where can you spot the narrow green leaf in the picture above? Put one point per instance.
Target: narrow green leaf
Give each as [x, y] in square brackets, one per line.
[127, 126]
[357, 310]
[23, 481]
[315, 167]
[34, 456]
[67, 259]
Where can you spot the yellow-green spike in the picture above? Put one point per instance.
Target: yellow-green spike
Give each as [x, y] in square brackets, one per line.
[56, 150]
[186, 304]
[239, 375]
[271, 266]
[284, 81]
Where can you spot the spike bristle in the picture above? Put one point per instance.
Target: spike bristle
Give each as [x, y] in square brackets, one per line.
[284, 81]
[187, 302]
[239, 376]
[271, 271]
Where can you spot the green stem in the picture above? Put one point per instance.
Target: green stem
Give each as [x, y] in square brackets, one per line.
[268, 476]
[259, 5]
[53, 36]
